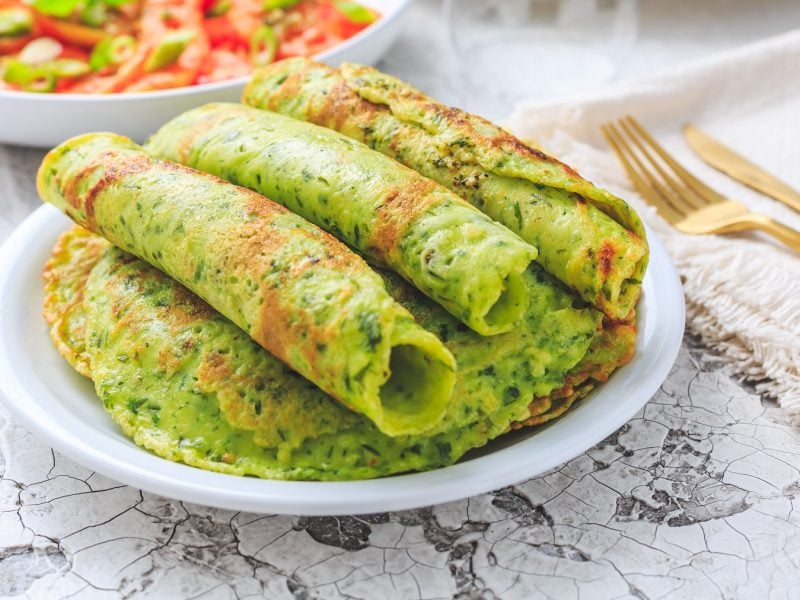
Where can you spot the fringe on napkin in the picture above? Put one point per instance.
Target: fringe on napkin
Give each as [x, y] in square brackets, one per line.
[742, 291]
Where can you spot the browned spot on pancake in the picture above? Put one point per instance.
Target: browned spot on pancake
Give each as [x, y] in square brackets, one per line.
[605, 259]
[539, 405]
[214, 367]
[168, 360]
[186, 310]
[340, 104]
[279, 326]
[292, 87]
[401, 207]
[274, 331]
[261, 206]
[189, 135]
[115, 167]
[262, 237]
[336, 108]
[466, 124]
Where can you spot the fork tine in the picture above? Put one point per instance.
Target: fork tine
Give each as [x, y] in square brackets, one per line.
[646, 173]
[680, 195]
[643, 184]
[705, 193]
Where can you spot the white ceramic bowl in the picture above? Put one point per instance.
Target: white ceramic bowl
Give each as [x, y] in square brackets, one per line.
[45, 120]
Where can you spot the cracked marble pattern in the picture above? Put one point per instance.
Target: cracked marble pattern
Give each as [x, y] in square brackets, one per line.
[698, 496]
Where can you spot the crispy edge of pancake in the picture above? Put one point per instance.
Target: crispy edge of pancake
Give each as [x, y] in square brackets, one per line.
[617, 338]
[65, 273]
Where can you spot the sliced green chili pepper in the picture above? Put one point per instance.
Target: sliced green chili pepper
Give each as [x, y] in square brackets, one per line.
[121, 49]
[66, 68]
[112, 51]
[17, 72]
[57, 8]
[355, 12]
[64, 8]
[28, 77]
[94, 13]
[99, 56]
[168, 50]
[40, 83]
[15, 21]
[42, 77]
[273, 4]
[263, 46]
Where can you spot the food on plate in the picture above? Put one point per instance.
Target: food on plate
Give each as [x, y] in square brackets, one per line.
[86, 46]
[588, 238]
[190, 386]
[295, 289]
[286, 356]
[449, 250]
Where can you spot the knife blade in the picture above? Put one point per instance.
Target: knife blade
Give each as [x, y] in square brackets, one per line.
[739, 168]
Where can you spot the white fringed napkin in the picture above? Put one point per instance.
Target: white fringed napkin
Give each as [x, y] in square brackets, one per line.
[743, 291]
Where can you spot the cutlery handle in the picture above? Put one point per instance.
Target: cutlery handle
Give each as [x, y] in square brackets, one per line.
[787, 235]
[784, 194]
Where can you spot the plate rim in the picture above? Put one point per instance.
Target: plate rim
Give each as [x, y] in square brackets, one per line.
[122, 461]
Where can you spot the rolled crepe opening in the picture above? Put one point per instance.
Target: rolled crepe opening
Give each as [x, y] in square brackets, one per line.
[510, 305]
[416, 388]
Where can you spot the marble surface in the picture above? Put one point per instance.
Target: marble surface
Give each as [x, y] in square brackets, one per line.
[698, 496]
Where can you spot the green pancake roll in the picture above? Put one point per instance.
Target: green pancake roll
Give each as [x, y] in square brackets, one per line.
[397, 219]
[589, 239]
[297, 291]
[184, 382]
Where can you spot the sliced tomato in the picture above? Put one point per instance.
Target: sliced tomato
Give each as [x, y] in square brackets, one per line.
[75, 52]
[222, 65]
[71, 33]
[221, 32]
[14, 44]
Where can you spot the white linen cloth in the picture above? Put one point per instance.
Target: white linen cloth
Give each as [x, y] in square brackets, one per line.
[742, 291]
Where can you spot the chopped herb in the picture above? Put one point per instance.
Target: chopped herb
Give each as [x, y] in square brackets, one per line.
[135, 404]
[370, 326]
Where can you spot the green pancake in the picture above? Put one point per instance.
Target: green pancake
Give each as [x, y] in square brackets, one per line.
[398, 219]
[588, 238]
[296, 290]
[187, 384]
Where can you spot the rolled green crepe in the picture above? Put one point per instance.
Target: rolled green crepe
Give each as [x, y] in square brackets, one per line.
[187, 384]
[295, 289]
[450, 251]
[588, 238]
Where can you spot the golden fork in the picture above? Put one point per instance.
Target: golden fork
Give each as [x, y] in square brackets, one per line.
[679, 197]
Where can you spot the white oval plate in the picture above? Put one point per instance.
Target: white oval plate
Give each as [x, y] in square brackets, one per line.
[61, 407]
[45, 120]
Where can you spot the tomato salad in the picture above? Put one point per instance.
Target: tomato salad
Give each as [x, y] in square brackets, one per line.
[101, 46]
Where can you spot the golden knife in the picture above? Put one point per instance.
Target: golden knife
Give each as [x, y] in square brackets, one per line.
[738, 167]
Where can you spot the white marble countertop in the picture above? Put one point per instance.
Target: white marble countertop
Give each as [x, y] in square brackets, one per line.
[698, 496]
